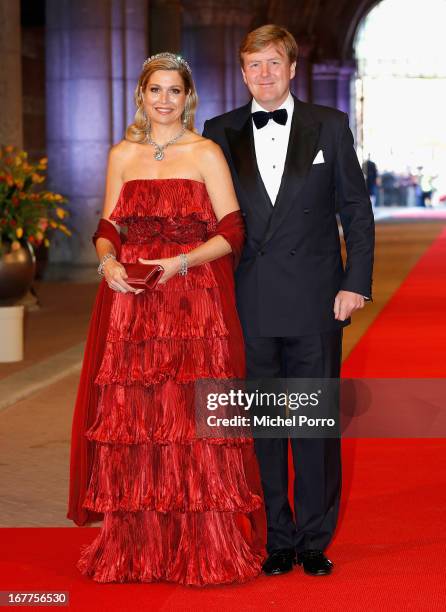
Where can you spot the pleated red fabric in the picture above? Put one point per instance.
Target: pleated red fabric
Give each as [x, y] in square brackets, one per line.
[175, 507]
[81, 452]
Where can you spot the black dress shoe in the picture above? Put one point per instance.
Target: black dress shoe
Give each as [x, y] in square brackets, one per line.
[280, 562]
[314, 562]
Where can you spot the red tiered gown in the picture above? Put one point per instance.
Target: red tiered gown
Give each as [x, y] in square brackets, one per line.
[175, 507]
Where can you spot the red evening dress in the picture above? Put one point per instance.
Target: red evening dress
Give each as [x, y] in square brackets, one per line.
[175, 507]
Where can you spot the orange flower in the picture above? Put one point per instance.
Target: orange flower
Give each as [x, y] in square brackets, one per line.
[43, 161]
[60, 212]
[63, 228]
[57, 197]
[19, 232]
[9, 148]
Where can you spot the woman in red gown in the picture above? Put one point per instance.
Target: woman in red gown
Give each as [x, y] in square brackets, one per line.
[175, 507]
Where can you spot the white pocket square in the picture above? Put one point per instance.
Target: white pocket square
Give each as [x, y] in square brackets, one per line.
[319, 159]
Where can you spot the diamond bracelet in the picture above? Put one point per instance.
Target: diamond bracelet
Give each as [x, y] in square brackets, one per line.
[183, 264]
[103, 260]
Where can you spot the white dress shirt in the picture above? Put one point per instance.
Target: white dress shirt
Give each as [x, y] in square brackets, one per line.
[271, 144]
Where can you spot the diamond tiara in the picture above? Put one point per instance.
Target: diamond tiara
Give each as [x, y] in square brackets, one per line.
[169, 55]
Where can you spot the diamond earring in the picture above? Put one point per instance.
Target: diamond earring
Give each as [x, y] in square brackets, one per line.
[186, 114]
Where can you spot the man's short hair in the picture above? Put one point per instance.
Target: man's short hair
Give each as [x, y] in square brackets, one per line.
[261, 37]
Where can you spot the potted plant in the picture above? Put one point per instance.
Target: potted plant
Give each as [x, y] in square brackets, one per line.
[28, 215]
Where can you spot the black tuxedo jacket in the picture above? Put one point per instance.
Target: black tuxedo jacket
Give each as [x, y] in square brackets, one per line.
[291, 267]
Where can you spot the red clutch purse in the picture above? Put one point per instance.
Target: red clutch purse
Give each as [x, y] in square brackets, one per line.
[142, 276]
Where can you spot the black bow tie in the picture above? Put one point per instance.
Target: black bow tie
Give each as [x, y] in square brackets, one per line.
[261, 118]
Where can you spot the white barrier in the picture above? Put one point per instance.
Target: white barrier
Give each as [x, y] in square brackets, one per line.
[11, 333]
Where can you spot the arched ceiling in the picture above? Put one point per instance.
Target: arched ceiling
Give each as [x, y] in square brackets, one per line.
[323, 28]
[326, 26]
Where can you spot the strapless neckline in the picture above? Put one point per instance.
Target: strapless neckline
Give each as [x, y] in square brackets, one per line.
[179, 178]
[177, 197]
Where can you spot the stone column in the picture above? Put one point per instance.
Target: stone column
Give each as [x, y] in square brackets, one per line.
[212, 32]
[95, 49]
[344, 93]
[331, 82]
[165, 26]
[301, 84]
[11, 126]
[325, 83]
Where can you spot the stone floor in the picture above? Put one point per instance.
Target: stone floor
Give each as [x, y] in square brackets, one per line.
[35, 429]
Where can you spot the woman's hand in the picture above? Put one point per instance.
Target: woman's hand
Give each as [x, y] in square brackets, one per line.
[115, 275]
[171, 266]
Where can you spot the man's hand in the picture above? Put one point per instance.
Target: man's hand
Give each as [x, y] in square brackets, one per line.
[346, 302]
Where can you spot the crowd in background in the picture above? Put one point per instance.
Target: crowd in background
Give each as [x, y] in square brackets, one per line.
[402, 189]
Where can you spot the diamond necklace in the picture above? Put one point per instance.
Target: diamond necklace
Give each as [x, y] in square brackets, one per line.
[159, 149]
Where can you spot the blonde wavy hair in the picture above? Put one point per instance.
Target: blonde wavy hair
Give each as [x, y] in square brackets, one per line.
[138, 130]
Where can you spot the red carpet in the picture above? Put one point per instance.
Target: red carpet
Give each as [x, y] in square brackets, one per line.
[408, 338]
[390, 547]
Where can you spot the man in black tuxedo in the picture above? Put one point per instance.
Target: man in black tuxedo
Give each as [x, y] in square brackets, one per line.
[294, 166]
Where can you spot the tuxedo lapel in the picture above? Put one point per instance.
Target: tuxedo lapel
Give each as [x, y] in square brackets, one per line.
[302, 144]
[242, 148]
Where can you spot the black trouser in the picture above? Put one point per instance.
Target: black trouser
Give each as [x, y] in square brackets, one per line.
[317, 461]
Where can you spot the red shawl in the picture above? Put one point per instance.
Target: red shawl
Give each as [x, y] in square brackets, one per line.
[87, 394]
[231, 227]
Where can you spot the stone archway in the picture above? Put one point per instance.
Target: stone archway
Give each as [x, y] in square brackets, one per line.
[401, 91]
[402, 75]
[356, 14]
